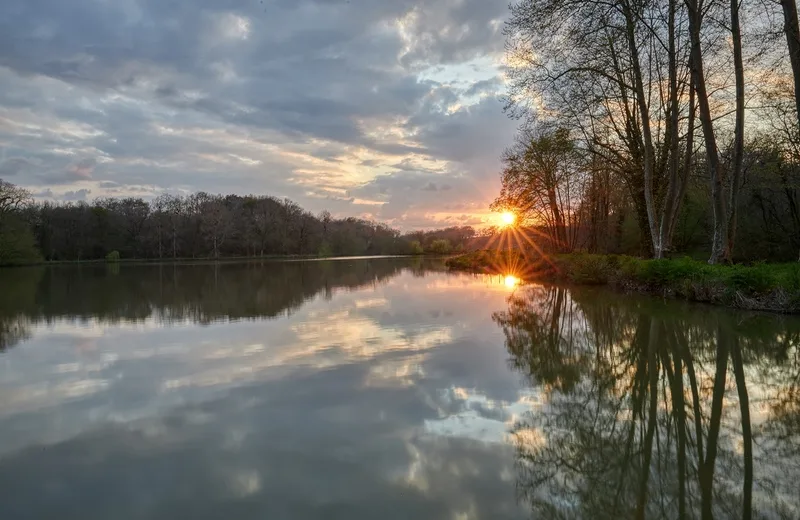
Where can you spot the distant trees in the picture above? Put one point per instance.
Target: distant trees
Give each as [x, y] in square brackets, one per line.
[17, 244]
[200, 225]
[441, 246]
[458, 239]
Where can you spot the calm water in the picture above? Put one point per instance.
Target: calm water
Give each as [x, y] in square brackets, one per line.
[384, 388]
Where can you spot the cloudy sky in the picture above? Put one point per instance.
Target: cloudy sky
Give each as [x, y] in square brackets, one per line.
[386, 109]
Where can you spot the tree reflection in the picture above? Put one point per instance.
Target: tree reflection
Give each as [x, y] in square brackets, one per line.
[17, 292]
[648, 407]
[171, 292]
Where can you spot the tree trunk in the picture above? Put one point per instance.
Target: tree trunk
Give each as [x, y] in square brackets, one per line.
[719, 244]
[647, 136]
[687, 161]
[671, 204]
[792, 31]
[738, 138]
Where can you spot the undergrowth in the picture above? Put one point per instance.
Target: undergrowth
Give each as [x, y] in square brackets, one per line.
[774, 287]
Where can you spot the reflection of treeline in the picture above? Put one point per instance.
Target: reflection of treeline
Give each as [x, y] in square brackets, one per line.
[648, 410]
[197, 292]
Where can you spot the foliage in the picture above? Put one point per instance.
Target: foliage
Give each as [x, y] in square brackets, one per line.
[416, 248]
[113, 256]
[17, 243]
[206, 226]
[652, 96]
[325, 250]
[763, 286]
[440, 247]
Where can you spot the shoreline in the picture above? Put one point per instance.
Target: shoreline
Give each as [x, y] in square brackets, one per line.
[759, 287]
[202, 260]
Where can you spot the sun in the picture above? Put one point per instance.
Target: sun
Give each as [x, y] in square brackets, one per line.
[508, 218]
[511, 281]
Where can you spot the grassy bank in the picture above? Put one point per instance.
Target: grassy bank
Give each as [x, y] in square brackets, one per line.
[770, 287]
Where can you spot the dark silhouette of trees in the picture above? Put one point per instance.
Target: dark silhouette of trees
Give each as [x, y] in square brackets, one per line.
[197, 226]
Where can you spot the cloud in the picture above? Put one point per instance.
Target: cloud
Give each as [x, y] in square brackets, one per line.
[236, 96]
[83, 169]
[77, 195]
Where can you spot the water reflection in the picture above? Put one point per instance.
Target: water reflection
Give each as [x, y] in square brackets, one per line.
[654, 409]
[202, 394]
[382, 388]
[201, 293]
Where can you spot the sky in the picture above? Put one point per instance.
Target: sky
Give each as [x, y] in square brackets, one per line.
[389, 110]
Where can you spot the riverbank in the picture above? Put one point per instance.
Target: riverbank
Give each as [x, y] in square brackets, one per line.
[765, 287]
[200, 260]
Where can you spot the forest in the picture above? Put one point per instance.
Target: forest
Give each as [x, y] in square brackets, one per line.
[656, 128]
[197, 226]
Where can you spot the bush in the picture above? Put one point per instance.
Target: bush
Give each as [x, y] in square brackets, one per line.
[416, 248]
[440, 247]
[762, 286]
[755, 279]
[113, 256]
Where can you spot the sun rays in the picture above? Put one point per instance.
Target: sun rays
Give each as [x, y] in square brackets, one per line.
[516, 252]
[508, 218]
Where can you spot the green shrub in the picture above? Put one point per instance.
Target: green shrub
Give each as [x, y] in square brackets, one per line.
[416, 248]
[113, 256]
[325, 250]
[757, 279]
[792, 278]
[589, 269]
[440, 247]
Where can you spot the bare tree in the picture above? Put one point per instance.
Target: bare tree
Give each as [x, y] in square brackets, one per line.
[13, 198]
[792, 31]
[615, 74]
[543, 181]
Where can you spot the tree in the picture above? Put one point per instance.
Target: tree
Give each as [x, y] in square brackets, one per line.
[215, 220]
[723, 203]
[441, 247]
[17, 243]
[600, 69]
[13, 198]
[792, 31]
[543, 181]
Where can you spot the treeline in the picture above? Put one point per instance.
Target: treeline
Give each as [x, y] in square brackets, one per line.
[656, 128]
[197, 226]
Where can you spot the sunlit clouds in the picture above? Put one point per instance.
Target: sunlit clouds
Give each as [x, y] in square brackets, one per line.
[316, 101]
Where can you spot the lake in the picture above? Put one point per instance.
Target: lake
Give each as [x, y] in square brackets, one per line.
[384, 388]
